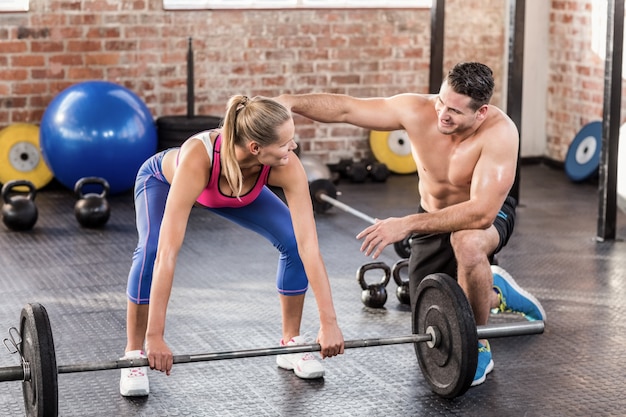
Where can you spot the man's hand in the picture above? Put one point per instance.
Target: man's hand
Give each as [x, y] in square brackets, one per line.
[382, 233]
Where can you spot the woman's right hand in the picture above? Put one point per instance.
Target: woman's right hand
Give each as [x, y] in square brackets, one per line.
[159, 354]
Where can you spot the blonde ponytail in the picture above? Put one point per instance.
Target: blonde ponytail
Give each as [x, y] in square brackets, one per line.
[248, 120]
[230, 166]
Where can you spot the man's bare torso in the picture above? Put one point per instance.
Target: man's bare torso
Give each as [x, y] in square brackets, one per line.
[445, 163]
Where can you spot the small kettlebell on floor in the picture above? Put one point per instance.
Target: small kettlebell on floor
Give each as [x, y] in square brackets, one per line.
[402, 291]
[92, 210]
[374, 295]
[19, 211]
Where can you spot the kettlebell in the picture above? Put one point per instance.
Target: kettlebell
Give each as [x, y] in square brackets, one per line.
[402, 291]
[19, 211]
[374, 295]
[92, 210]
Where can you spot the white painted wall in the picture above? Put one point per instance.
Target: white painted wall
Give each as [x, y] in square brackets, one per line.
[535, 85]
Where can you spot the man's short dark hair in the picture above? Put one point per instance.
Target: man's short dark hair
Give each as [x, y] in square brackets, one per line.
[474, 80]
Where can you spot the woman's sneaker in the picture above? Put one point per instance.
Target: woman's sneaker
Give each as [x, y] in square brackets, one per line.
[485, 364]
[514, 298]
[304, 365]
[134, 381]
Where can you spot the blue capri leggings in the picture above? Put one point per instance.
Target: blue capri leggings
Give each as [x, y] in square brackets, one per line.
[267, 215]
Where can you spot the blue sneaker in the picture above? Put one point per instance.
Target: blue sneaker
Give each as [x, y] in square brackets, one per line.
[485, 364]
[513, 298]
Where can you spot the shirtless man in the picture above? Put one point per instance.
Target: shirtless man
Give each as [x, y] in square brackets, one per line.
[466, 154]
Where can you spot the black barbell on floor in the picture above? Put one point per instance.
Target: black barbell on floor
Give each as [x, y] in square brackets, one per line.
[445, 338]
[324, 196]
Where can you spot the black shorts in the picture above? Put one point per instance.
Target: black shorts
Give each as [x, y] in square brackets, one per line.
[433, 253]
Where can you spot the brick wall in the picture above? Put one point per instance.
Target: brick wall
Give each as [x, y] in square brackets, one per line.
[361, 52]
[575, 86]
[139, 45]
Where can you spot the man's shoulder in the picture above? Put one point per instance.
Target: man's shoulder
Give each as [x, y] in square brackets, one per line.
[498, 119]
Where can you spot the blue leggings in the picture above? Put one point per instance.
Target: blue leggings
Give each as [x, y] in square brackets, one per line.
[267, 215]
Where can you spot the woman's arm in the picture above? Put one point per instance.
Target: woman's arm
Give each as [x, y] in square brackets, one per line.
[190, 177]
[292, 178]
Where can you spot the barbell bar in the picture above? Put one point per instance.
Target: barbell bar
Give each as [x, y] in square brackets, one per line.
[323, 191]
[17, 373]
[445, 338]
[323, 195]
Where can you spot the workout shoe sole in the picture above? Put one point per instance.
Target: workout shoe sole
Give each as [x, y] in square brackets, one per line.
[134, 393]
[495, 269]
[311, 375]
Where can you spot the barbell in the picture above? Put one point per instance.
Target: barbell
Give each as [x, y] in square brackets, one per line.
[445, 339]
[324, 196]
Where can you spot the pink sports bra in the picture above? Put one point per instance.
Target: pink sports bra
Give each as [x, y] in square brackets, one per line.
[211, 196]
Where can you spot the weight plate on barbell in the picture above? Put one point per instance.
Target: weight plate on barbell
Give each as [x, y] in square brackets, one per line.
[19, 148]
[450, 365]
[322, 186]
[37, 347]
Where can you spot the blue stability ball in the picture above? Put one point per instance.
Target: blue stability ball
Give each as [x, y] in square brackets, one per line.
[97, 129]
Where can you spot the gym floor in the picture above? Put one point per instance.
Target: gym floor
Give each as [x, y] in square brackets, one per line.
[224, 299]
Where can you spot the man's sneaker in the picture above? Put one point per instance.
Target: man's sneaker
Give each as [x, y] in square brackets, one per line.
[304, 365]
[485, 364]
[513, 298]
[134, 381]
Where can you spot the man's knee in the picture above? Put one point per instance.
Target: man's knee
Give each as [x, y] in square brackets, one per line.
[472, 247]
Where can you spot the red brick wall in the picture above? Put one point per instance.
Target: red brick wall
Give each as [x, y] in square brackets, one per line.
[576, 75]
[139, 45]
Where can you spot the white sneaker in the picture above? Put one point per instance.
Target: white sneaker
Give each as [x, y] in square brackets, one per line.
[134, 381]
[304, 365]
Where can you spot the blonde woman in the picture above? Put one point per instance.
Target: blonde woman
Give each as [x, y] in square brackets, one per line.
[226, 171]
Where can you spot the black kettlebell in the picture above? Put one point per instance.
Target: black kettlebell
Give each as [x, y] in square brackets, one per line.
[92, 210]
[402, 291]
[19, 211]
[374, 295]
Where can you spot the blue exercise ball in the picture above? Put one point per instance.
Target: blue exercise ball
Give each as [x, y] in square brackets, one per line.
[97, 129]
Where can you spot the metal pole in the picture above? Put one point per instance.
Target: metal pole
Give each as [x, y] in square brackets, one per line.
[516, 77]
[437, 20]
[607, 184]
[190, 81]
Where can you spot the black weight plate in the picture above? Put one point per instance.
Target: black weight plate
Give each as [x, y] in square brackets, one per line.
[323, 186]
[448, 367]
[41, 390]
